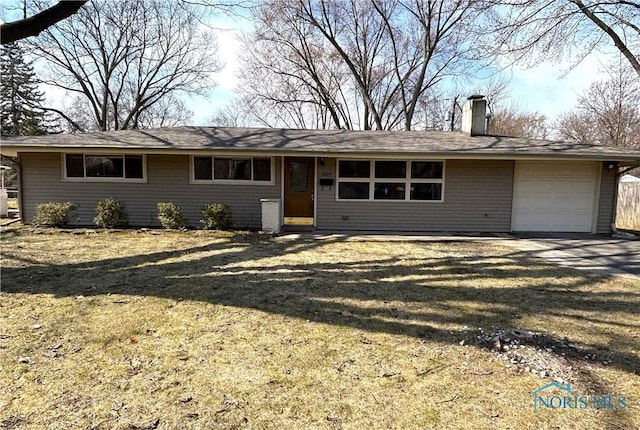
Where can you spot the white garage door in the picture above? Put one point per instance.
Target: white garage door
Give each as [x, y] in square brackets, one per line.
[554, 196]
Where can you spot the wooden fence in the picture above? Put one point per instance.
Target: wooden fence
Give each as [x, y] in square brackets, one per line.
[628, 216]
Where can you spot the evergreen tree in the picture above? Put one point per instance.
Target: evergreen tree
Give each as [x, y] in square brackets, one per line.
[21, 101]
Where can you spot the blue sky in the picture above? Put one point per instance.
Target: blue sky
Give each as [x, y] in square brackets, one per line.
[549, 88]
[544, 88]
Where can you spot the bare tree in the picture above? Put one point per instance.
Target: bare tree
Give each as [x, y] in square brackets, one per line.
[123, 58]
[233, 114]
[355, 64]
[169, 111]
[577, 126]
[33, 25]
[534, 30]
[439, 110]
[438, 44]
[307, 85]
[514, 122]
[508, 119]
[608, 113]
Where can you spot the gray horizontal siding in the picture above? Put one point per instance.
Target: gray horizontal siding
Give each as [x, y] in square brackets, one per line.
[607, 200]
[168, 180]
[478, 197]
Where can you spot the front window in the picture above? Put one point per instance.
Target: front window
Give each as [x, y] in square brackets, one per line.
[389, 191]
[229, 169]
[104, 166]
[354, 169]
[262, 169]
[97, 167]
[390, 180]
[203, 168]
[391, 169]
[426, 169]
[425, 191]
[353, 190]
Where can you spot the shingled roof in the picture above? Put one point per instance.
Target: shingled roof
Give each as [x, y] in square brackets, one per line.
[317, 143]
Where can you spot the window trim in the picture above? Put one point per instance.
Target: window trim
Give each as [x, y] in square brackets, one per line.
[213, 180]
[407, 180]
[106, 179]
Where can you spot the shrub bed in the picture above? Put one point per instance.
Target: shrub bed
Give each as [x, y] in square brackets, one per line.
[55, 214]
[111, 213]
[216, 216]
[170, 216]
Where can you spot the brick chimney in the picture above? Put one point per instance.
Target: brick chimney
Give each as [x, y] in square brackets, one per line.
[474, 115]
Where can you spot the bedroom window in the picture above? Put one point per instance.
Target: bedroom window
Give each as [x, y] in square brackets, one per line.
[426, 180]
[394, 180]
[232, 170]
[104, 167]
[203, 168]
[354, 177]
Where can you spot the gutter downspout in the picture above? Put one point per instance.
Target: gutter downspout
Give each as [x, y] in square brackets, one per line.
[20, 189]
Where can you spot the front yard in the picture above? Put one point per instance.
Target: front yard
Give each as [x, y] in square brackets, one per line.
[155, 329]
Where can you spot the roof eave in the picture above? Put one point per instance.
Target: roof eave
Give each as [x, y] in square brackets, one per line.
[13, 150]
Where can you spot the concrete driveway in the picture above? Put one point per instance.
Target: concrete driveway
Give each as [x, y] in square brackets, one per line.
[599, 254]
[603, 255]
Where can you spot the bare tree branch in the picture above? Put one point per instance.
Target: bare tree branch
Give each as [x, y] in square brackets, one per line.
[608, 113]
[125, 57]
[531, 31]
[32, 26]
[365, 64]
[74, 125]
[620, 44]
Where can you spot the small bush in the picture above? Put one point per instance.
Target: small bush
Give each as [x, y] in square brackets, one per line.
[110, 213]
[216, 216]
[55, 214]
[170, 216]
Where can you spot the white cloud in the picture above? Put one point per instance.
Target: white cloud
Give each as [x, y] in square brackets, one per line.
[228, 32]
[228, 49]
[546, 89]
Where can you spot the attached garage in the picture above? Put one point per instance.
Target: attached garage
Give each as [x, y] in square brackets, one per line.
[556, 196]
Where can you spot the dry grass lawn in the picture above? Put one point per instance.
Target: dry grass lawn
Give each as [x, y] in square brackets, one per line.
[180, 330]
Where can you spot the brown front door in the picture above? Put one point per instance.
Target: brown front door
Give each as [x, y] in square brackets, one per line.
[298, 187]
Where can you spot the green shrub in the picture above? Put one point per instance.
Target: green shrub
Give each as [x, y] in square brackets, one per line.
[55, 214]
[216, 216]
[110, 213]
[170, 216]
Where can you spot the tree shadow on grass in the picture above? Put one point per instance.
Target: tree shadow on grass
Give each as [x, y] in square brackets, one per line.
[427, 296]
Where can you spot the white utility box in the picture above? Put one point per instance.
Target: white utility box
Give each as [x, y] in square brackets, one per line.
[4, 203]
[271, 215]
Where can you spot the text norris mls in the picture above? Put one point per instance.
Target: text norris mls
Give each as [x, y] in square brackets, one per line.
[573, 401]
